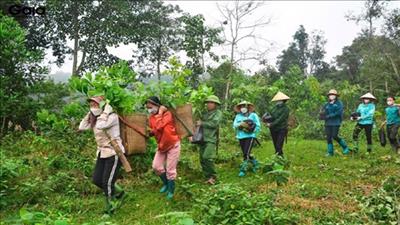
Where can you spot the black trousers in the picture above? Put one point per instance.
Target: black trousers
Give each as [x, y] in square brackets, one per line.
[278, 138]
[246, 144]
[393, 135]
[368, 132]
[332, 133]
[105, 174]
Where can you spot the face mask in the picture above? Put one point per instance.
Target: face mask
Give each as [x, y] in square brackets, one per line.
[243, 110]
[366, 101]
[332, 97]
[389, 102]
[279, 102]
[96, 111]
[152, 110]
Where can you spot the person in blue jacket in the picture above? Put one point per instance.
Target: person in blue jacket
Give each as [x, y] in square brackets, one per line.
[365, 121]
[333, 119]
[393, 123]
[247, 125]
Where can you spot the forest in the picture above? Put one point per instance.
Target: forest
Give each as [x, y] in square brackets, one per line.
[47, 163]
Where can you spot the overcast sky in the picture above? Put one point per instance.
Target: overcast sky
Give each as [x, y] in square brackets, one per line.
[286, 17]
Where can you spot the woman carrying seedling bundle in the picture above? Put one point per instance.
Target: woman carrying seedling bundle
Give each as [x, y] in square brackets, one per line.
[162, 127]
[105, 124]
[393, 123]
[247, 125]
[365, 120]
[278, 124]
[333, 119]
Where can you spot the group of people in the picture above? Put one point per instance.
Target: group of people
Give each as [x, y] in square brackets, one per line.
[332, 113]
[105, 124]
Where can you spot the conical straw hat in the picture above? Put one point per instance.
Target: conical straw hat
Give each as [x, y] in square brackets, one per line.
[250, 106]
[280, 97]
[369, 96]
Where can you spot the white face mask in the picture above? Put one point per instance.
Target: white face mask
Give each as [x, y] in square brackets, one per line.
[152, 110]
[332, 97]
[243, 110]
[390, 102]
[96, 111]
[279, 102]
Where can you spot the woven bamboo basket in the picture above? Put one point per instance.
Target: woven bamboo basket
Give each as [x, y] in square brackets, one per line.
[183, 116]
[133, 141]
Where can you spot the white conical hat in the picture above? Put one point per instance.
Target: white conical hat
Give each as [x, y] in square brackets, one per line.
[369, 96]
[280, 97]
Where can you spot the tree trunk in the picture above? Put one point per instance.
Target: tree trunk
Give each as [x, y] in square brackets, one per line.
[79, 69]
[370, 86]
[159, 60]
[76, 41]
[228, 83]
[386, 87]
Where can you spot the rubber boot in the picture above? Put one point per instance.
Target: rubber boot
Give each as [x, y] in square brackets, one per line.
[394, 147]
[114, 203]
[330, 150]
[342, 144]
[171, 189]
[119, 192]
[255, 165]
[355, 148]
[164, 180]
[107, 208]
[369, 148]
[243, 168]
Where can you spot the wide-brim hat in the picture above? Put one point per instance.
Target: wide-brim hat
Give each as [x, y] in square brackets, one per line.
[280, 97]
[154, 100]
[333, 92]
[213, 98]
[97, 99]
[250, 106]
[368, 96]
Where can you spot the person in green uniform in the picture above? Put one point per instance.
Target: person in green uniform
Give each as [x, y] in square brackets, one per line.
[279, 122]
[210, 122]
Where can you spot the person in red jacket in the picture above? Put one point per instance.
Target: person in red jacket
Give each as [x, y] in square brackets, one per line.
[163, 128]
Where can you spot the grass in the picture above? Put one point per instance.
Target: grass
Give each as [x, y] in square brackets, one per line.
[319, 189]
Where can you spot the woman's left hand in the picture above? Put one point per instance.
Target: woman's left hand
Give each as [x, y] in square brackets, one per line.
[108, 109]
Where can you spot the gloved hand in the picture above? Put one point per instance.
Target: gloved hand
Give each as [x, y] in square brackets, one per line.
[149, 131]
[108, 109]
[358, 118]
[243, 125]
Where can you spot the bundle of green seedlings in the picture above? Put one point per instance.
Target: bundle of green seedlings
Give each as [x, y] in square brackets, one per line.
[119, 85]
[110, 82]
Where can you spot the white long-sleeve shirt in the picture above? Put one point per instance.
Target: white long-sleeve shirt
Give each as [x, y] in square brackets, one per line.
[105, 123]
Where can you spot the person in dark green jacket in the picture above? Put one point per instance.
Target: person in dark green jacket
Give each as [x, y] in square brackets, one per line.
[208, 149]
[393, 123]
[278, 125]
[333, 120]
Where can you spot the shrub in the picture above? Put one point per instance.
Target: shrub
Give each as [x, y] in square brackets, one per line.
[228, 204]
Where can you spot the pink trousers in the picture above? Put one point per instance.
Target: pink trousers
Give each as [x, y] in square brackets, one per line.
[167, 161]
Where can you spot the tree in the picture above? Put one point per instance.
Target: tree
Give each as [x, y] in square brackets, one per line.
[93, 27]
[380, 54]
[235, 17]
[198, 39]
[307, 52]
[373, 10]
[19, 69]
[160, 38]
